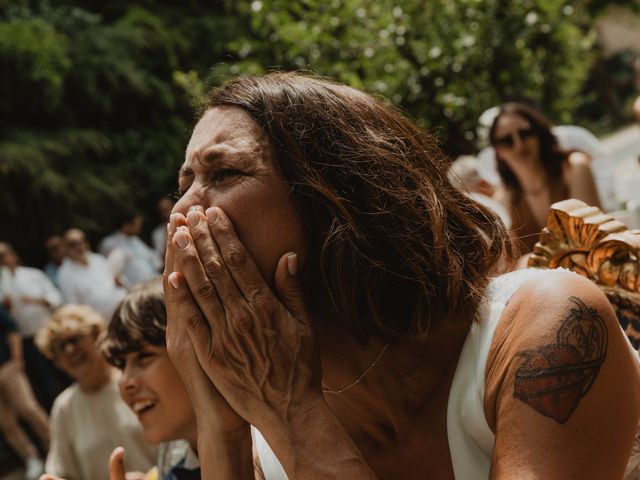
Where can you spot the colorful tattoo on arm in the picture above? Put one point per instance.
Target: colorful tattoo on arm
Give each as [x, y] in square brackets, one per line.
[553, 378]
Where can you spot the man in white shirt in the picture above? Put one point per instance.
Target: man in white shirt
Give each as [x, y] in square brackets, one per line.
[30, 297]
[29, 292]
[135, 261]
[85, 277]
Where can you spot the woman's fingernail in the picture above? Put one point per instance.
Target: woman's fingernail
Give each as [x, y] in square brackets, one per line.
[172, 222]
[292, 264]
[212, 215]
[193, 218]
[182, 241]
[174, 280]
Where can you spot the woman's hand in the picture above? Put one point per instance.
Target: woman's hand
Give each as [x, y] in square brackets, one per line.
[256, 348]
[203, 394]
[224, 435]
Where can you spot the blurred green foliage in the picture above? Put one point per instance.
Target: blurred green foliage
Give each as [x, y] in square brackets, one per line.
[443, 61]
[97, 98]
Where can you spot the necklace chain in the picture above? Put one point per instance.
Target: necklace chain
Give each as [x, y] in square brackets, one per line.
[357, 380]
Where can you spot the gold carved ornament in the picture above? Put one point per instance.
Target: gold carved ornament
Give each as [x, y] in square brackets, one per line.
[583, 239]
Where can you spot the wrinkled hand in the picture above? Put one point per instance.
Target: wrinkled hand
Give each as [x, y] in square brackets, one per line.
[256, 348]
[201, 390]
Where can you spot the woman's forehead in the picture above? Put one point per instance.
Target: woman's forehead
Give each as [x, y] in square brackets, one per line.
[509, 121]
[225, 133]
[225, 124]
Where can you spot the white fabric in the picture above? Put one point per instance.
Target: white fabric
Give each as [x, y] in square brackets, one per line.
[269, 463]
[86, 427]
[4, 274]
[159, 239]
[471, 440]
[570, 137]
[92, 284]
[191, 461]
[141, 262]
[29, 282]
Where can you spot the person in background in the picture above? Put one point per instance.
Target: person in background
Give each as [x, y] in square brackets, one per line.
[570, 137]
[535, 171]
[88, 419]
[133, 259]
[135, 343]
[54, 246]
[31, 298]
[86, 278]
[18, 401]
[463, 174]
[159, 234]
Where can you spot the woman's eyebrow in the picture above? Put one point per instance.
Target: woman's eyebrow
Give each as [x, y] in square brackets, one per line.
[185, 172]
[208, 155]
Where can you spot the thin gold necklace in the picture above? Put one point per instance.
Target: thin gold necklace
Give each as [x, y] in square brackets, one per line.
[357, 380]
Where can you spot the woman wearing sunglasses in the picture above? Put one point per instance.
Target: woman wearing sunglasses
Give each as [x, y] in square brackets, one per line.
[535, 171]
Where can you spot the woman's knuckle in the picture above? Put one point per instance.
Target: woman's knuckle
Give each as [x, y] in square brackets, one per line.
[205, 290]
[236, 258]
[193, 320]
[259, 300]
[213, 268]
[219, 228]
[190, 258]
[242, 320]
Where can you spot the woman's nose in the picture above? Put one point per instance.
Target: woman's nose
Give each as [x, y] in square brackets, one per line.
[193, 197]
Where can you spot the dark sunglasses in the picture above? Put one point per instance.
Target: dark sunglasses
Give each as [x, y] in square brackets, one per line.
[61, 345]
[509, 140]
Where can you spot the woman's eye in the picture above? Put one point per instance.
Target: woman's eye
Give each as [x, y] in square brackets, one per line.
[225, 173]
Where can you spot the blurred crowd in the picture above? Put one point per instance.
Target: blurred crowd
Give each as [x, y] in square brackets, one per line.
[79, 290]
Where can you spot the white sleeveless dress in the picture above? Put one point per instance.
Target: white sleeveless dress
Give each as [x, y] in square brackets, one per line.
[471, 441]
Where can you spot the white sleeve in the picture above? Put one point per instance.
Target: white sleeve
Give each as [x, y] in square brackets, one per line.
[67, 288]
[51, 293]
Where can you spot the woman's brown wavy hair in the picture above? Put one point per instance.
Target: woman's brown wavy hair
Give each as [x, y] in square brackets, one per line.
[394, 248]
[551, 155]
